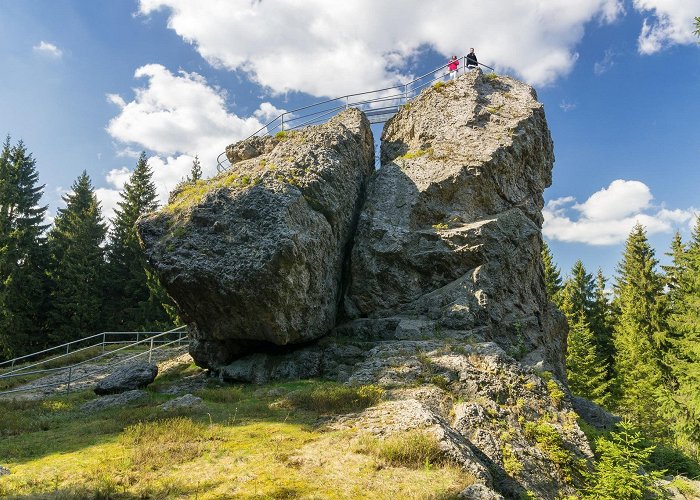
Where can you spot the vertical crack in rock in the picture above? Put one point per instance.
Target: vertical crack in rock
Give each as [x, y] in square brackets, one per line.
[451, 227]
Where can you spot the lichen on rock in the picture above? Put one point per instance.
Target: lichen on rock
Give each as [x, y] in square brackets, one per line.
[254, 256]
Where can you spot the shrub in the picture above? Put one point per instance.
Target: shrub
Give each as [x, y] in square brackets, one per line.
[440, 226]
[548, 439]
[491, 76]
[511, 464]
[674, 462]
[439, 86]
[618, 472]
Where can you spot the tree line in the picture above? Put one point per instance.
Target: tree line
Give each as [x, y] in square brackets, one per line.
[75, 277]
[636, 351]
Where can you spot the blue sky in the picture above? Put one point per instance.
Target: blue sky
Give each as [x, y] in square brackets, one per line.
[89, 84]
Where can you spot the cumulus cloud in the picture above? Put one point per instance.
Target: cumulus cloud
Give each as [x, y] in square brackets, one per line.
[48, 49]
[669, 22]
[176, 116]
[332, 48]
[177, 113]
[608, 215]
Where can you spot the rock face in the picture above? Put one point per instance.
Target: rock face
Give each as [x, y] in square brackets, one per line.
[254, 257]
[127, 378]
[436, 294]
[451, 228]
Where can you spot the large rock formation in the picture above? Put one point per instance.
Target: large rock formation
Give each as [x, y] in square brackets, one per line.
[442, 300]
[451, 226]
[254, 257]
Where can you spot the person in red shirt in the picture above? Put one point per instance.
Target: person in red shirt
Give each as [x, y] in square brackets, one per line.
[452, 66]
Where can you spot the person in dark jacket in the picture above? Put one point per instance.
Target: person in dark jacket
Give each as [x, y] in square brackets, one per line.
[471, 59]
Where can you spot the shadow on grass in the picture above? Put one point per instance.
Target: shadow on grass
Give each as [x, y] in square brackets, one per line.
[31, 430]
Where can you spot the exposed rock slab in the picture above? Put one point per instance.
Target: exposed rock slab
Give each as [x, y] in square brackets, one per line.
[254, 257]
[185, 402]
[113, 400]
[128, 378]
[451, 227]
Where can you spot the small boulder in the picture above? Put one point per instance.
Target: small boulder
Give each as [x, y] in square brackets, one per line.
[113, 400]
[188, 401]
[4, 471]
[127, 378]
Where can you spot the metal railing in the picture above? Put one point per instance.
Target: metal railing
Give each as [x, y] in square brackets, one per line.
[152, 343]
[379, 105]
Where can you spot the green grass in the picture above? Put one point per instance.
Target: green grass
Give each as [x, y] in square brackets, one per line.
[331, 398]
[249, 442]
[408, 449]
[491, 77]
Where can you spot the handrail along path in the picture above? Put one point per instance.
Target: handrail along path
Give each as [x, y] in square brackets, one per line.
[379, 105]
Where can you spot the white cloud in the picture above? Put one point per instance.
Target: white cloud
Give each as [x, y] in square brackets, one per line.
[177, 116]
[620, 199]
[48, 49]
[608, 215]
[670, 23]
[332, 48]
[604, 65]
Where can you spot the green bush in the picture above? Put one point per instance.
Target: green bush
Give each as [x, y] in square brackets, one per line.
[618, 471]
[674, 462]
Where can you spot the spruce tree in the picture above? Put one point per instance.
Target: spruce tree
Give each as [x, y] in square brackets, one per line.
[196, 172]
[684, 356]
[674, 272]
[586, 373]
[577, 294]
[77, 267]
[132, 307]
[22, 253]
[552, 276]
[601, 322]
[639, 335]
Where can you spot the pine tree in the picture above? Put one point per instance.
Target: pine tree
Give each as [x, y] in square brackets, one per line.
[639, 335]
[552, 276]
[132, 307]
[196, 172]
[77, 267]
[684, 356]
[22, 252]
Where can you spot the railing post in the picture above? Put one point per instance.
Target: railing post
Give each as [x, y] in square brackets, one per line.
[67, 347]
[137, 337]
[346, 101]
[104, 340]
[150, 351]
[282, 125]
[70, 375]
